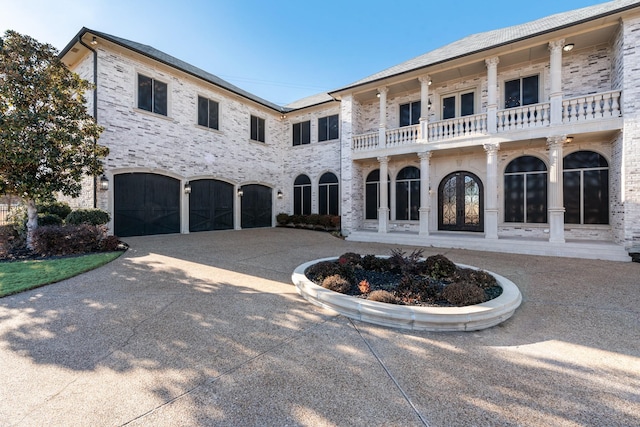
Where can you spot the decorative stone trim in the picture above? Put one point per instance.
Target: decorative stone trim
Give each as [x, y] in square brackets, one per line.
[439, 319]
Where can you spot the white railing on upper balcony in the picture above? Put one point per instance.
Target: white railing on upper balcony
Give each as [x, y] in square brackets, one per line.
[460, 126]
[591, 107]
[525, 117]
[367, 141]
[403, 135]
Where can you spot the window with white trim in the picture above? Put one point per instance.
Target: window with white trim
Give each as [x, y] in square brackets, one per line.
[522, 91]
[208, 113]
[328, 128]
[458, 105]
[302, 133]
[257, 129]
[152, 95]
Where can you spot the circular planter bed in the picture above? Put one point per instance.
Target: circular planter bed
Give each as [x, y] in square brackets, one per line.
[467, 318]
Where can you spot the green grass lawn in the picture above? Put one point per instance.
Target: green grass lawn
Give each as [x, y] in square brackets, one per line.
[20, 276]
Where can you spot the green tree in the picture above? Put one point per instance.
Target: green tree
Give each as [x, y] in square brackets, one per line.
[47, 138]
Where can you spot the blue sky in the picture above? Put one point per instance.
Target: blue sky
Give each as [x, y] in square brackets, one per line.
[281, 50]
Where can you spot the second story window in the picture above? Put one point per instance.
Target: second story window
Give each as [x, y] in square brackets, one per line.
[410, 114]
[522, 91]
[302, 133]
[458, 105]
[152, 95]
[328, 128]
[257, 129]
[207, 113]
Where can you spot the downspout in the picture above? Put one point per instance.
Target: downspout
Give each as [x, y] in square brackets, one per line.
[95, 109]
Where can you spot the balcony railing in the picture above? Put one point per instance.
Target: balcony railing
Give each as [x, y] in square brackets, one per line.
[579, 109]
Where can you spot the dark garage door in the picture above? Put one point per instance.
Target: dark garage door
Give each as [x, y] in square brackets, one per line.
[145, 204]
[210, 205]
[256, 206]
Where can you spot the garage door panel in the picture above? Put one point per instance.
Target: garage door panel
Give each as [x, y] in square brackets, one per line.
[210, 205]
[256, 206]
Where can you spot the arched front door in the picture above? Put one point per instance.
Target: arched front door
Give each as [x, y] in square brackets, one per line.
[461, 203]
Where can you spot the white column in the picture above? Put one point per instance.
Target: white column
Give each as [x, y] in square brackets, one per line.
[382, 135]
[425, 81]
[492, 94]
[237, 208]
[555, 71]
[425, 201]
[556, 196]
[491, 191]
[383, 209]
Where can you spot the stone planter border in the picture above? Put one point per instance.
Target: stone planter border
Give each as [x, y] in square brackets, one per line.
[469, 318]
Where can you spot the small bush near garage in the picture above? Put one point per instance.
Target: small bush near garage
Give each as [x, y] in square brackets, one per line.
[55, 240]
[313, 221]
[88, 216]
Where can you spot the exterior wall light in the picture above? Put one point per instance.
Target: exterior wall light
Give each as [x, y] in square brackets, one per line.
[240, 192]
[94, 41]
[104, 183]
[279, 194]
[569, 139]
[568, 47]
[429, 82]
[187, 188]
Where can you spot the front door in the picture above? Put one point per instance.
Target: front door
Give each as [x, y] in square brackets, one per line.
[461, 203]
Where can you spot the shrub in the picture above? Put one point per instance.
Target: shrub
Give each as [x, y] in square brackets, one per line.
[462, 293]
[334, 221]
[336, 283]
[49, 219]
[60, 209]
[296, 219]
[10, 239]
[56, 240]
[373, 263]
[479, 278]
[313, 219]
[350, 259]
[364, 286]
[382, 296]
[321, 270]
[282, 218]
[325, 221]
[88, 216]
[109, 244]
[439, 266]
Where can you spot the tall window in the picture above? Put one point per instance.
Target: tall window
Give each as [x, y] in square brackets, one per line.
[458, 105]
[328, 128]
[586, 188]
[302, 195]
[525, 190]
[522, 91]
[152, 95]
[410, 114]
[372, 194]
[408, 194]
[207, 113]
[328, 194]
[257, 129]
[302, 133]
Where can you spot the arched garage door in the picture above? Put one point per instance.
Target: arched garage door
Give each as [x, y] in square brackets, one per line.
[210, 205]
[146, 204]
[256, 206]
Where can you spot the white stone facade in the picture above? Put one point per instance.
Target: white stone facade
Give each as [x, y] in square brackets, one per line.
[603, 66]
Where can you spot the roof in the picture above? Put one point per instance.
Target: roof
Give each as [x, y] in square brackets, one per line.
[495, 38]
[160, 56]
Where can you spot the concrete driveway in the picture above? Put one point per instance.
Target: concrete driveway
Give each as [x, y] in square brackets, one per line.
[207, 329]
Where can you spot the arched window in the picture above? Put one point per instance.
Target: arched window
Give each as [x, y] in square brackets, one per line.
[586, 188]
[525, 190]
[302, 195]
[328, 195]
[408, 194]
[372, 194]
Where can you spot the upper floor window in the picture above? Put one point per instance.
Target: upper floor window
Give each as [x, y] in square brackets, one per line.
[152, 95]
[458, 105]
[410, 114]
[207, 113]
[302, 133]
[257, 129]
[328, 128]
[523, 91]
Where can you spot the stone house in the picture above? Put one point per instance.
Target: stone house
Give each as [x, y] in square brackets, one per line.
[524, 139]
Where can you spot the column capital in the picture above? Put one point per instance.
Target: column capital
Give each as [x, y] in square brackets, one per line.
[556, 45]
[383, 89]
[492, 62]
[425, 155]
[491, 148]
[425, 79]
[556, 141]
[383, 159]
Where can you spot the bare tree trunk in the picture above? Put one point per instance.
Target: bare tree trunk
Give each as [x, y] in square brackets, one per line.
[32, 221]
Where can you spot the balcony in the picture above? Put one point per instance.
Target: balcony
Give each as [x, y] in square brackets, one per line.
[574, 116]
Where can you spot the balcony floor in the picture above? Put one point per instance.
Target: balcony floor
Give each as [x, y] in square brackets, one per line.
[586, 249]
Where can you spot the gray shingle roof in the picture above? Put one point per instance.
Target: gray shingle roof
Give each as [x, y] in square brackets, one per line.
[160, 56]
[491, 39]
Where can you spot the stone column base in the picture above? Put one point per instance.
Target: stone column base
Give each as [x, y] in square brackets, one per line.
[424, 221]
[383, 220]
[491, 224]
[556, 225]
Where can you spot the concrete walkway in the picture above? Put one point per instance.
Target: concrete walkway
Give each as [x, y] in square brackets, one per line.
[206, 329]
